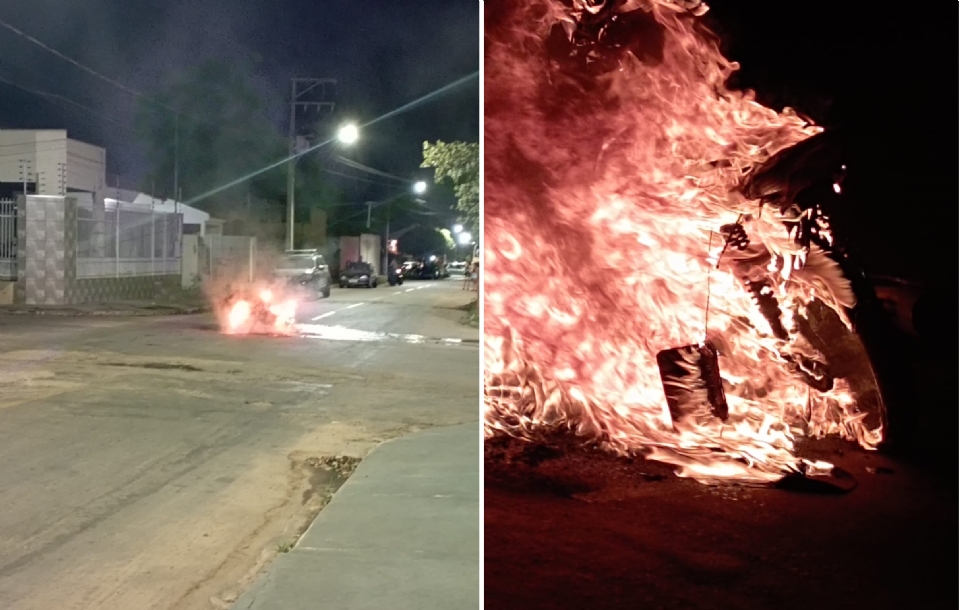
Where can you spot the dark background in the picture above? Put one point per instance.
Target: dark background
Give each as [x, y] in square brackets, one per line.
[887, 76]
[383, 55]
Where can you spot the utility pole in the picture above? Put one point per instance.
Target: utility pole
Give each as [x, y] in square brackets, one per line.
[176, 155]
[385, 261]
[299, 87]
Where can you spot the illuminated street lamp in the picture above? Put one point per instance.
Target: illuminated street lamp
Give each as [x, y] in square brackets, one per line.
[348, 134]
[457, 229]
[419, 188]
[464, 238]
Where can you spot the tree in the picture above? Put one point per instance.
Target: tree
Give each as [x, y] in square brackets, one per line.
[424, 241]
[458, 164]
[213, 122]
[448, 238]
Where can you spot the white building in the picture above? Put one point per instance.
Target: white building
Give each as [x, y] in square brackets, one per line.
[65, 242]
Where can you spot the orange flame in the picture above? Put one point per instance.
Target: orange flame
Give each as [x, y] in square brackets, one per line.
[285, 313]
[601, 197]
[264, 313]
[239, 315]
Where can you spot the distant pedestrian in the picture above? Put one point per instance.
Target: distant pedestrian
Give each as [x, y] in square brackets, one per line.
[475, 276]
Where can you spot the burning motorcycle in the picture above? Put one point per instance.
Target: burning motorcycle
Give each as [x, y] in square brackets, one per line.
[256, 311]
[634, 154]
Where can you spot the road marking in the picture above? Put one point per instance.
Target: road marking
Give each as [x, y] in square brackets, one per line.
[409, 289]
[342, 333]
[354, 305]
[324, 315]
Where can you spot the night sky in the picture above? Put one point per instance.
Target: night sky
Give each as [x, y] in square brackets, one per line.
[886, 76]
[383, 54]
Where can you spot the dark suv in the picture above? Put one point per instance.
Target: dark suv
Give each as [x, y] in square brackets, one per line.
[358, 274]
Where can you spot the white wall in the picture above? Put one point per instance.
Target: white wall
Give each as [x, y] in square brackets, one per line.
[190, 261]
[43, 152]
[370, 250]
[60, 162]
[86, 166]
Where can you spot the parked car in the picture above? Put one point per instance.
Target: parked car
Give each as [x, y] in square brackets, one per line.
[305, 270]
[358, 274]
[457, 267]
[430, 271]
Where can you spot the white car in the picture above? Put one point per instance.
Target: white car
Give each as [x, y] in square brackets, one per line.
[458, 267]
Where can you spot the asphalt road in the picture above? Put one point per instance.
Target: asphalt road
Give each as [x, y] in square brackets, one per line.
[154, 463]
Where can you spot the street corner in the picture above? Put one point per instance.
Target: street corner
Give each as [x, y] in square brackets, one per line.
[406, 516]
[456, 299]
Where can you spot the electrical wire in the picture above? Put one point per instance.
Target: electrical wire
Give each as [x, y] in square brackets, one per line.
[352, 177]
[107, 79]
[62, 98]
[83, 67]
[365, 168]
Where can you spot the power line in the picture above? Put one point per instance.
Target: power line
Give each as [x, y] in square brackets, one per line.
[83, 67]
[404, 108]
[62, 98]
[352, 177]
[365, 168]
[114, 82]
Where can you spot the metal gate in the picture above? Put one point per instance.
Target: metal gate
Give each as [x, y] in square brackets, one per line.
[8, 239]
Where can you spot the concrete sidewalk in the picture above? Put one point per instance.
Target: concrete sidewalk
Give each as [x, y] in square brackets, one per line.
[403, 532]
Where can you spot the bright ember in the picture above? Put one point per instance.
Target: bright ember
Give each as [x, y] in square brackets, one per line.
[614, 163]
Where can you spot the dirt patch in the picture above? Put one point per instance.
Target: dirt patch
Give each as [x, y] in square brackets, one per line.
[329, 473]
[313, 481]
[571, 526]
[472, 318]
[464, 313]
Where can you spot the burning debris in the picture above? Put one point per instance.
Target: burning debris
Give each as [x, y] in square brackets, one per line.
[256, 309]
[264, 300]
[615, 155]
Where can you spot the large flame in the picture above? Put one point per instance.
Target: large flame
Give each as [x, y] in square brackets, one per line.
[257, 309]
[603, 194]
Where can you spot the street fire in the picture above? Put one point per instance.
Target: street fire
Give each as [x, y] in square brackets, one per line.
[256, 311]
[621, 225]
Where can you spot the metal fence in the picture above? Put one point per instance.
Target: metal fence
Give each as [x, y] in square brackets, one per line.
[128, 241]
[8, 239]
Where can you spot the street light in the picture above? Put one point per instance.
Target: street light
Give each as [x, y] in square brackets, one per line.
[419, 188]
[348, 134]
[464, 238]
[457, 228]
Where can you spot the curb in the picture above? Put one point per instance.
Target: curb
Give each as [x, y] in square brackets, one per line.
[159, 311]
